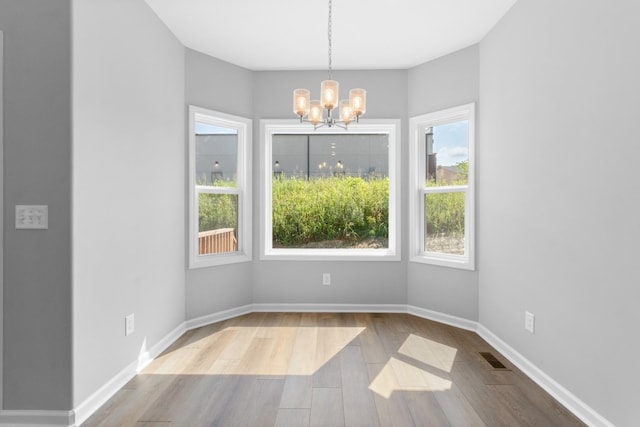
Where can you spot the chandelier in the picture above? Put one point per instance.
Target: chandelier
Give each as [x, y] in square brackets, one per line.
[313, 111]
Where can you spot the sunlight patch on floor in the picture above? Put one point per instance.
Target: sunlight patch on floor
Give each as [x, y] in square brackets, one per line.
[421, 365]
[398, 375]
[282, 350]
[429, 352]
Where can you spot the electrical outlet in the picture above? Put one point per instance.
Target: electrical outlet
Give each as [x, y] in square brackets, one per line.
[129, 324]
[32, 216]
[529, 322]
[326, 279]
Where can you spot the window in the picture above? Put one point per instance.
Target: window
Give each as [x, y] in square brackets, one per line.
[219, 188]
[442, 187]
[330, 194]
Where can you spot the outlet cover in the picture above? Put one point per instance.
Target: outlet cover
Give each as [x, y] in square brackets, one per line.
[529, 322]
[129, 324]
[32, 216]
[326, 279]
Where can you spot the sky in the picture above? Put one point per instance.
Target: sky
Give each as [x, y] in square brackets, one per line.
[207, 129]
[451, 143]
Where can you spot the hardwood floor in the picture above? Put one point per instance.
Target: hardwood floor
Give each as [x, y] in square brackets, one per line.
[330, 369]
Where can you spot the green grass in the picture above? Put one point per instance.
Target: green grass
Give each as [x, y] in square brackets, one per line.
[217, 211]
[445, 213]
[337, 208]
[350, 209]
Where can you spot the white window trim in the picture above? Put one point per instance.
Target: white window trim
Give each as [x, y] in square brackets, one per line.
[243, 189]
[417, 191]
[268, 128]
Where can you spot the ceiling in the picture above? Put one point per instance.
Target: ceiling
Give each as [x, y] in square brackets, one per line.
[292, 34]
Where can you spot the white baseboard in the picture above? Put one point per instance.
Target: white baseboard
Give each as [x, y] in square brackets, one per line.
[447, 319]
[331, 308]
[61, 418]
[147, 357]
[100, 397]
[218, 317]
[37, 418]
[561, 394]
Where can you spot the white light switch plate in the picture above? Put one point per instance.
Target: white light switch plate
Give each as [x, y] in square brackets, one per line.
[529, 322]
[32, 216]
[129, 324]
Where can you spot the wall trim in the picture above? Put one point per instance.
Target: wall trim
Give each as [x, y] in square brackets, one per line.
[104, 393]
[561, 394]
[89, 406]
[331, 308]
[147, 357]
[447, 319]
[218, 317]
[37, 418]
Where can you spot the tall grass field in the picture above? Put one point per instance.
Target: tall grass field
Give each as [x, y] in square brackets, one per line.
[347, 209]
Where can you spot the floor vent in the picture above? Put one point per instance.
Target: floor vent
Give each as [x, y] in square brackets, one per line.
[495, 363]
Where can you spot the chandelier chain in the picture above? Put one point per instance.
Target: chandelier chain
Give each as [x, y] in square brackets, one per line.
[318, 112]
[329, 34]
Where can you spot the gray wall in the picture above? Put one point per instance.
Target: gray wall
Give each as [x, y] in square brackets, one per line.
[352, 282]
[559, 194]
[129, 157]
[217, 85]
[557, 236]
[220, 86]
[443, 83]
[37, 170]
[214, 84]
[1, 211]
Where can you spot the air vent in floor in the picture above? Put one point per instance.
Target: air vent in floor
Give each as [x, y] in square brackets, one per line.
[495, 363]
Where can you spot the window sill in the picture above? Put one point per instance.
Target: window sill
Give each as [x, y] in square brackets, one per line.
[452, 261]
[330, 255]
[219, 259]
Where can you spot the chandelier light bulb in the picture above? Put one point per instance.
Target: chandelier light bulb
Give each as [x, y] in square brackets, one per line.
[315, 112]
[301, 102]
[346, 114]
[358, 101]
[329, 94]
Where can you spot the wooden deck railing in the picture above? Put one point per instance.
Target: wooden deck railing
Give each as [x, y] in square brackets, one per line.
[217, 241]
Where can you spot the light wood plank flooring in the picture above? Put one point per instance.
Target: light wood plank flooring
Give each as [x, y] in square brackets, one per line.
[330, 369]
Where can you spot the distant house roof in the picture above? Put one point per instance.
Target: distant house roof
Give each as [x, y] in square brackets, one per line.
[448, 174]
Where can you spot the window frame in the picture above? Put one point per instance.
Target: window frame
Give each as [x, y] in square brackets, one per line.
[270, 127]
[243, 188]
[418, 190]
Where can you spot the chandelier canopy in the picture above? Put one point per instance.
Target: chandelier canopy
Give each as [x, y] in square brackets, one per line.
[312, 111]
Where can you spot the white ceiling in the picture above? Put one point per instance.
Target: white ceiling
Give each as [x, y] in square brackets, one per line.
[292, 34]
